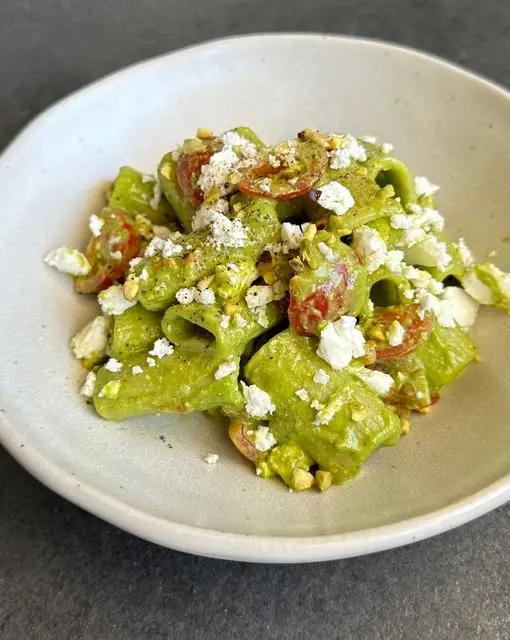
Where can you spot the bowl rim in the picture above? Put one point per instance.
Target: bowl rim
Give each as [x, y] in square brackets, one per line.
[228, 545]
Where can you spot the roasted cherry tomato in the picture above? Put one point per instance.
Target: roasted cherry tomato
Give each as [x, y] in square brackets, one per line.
[416, 330]
[287, 171]
[188, 172]
[326, 302]
[109, 253]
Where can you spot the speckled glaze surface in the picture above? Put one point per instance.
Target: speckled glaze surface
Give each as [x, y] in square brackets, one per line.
[147, 475]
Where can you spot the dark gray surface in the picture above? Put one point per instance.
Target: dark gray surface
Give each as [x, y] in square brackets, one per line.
[65, 574]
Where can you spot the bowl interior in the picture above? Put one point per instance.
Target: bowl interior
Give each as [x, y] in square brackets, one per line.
[444, 123]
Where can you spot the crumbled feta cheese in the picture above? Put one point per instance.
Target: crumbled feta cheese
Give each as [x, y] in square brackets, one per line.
[225, 321]
[378, 381]
[291, 235]
[113, 302]
[265, 185]
[208, 212]
[171, 249]
[387, 147]
[315, 404]
[205, 297]
[185, 296]
[136, 370]
[340, 342]
[147, 178]
[240, 321]
[349, 150]
[211, 458]
[134, 262]
[154, 247]
[233, 267]
[303, 394]
[370, 247]
[95, 225]
[424, 187]
[234, 139]
[257, 402]
[465, 254]
[321, 377]
[462, 306]
[369, 139]
[258, 296]
[150, 361]
[335, 197]
[274, 161]
[430, 252]
[90, 342]
[400, 221]
[264, 439]
[161, 348]
[225, 370]
[69, 261]
[113, 365]
[215, 173]
[395, 334]
[326, 251]
[117, 255]
[89, 385]
[144, 274]
[227, 233]
[394, 260]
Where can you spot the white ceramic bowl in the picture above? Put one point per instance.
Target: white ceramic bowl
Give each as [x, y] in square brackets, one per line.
[445, 123]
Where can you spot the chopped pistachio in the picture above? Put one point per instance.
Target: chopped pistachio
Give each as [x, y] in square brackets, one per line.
[323, 479]
[204, 134]
[301, 480]
[205, 282]
[358, 412]
[110, 390]
[131, 287]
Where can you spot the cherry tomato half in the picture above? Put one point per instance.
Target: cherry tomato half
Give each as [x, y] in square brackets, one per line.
[416, 329]
[109, 253]
[188, 172]
[290, 175]
[327, 302]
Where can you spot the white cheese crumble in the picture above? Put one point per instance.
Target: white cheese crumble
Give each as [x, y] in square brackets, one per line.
[216, 172]
[117, 255]
[265, 185]
[372, 250]
[167, 248]
[335, 197]
[205, 297]
[211, 458]
[240, 321]
[134, 262]
[156, 196]
[477, 289]
[224, 370]
[326, 251]
[349, 150]
[234, 139]
[394, 260]
[113, 365]
[225, 321]
[150, 361]
[302, 394]
[263, 439]
[144, 274]
[463, 307]
[291, 235]
[424, 187]
[387, 147]
[395, 334]
[259, 296]
[95, 225]
[379, 382]
[369, 139]
[321, 377]
[465, 254]
[113, 302]
[315, 404]
[89, 385]
[136, 370]
[257, 402]
[227, 233]
[161, 348]
[208, 212]
[233, 267]
[69, 261]
[90, 342]
[340, 342]
[185, 296]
